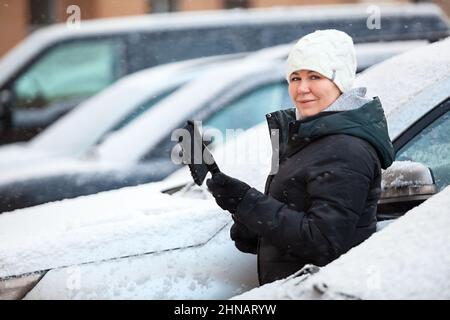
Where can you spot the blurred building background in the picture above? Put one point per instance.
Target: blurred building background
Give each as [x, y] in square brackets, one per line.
[18, 18]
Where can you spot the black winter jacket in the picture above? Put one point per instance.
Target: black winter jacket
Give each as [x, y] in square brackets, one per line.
[323, 199]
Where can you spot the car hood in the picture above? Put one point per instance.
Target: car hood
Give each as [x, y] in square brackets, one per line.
[109, 226]
[18, 154]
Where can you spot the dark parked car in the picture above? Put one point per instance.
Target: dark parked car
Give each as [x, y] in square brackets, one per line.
[55, 68]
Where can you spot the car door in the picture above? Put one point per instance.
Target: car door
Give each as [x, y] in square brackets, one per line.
[57, 80]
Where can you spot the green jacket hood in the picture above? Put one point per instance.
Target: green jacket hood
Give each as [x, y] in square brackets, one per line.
[367, 122]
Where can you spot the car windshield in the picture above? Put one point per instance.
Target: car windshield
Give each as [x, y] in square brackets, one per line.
[76, 69]
[248, 110]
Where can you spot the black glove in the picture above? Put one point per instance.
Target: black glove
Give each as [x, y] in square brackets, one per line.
[244, 239]
[227, 191]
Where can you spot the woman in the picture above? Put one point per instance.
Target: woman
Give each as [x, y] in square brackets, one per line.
[323, 199]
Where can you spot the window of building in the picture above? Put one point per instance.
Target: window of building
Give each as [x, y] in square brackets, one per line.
[163, 5]
[42, 12]
[229, 4]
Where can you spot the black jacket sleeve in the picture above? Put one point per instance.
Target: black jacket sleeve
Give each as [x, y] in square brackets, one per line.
[337, 189]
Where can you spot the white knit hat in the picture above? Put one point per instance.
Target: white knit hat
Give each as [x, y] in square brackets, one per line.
[328, 52]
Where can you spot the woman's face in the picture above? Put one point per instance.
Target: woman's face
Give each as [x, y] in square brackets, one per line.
[311, 92]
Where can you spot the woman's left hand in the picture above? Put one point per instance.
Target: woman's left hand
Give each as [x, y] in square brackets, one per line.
[227, 191]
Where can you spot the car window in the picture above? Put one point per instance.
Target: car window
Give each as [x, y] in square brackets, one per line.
[70, 70]
[432, 148]
[251, 108]
[143, 108]
[242, 113]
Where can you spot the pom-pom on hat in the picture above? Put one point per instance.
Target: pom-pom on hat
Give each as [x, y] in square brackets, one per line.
[328, 52]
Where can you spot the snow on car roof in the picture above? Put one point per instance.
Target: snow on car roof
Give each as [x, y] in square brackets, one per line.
[409, 73]
[409, 84]
[367, 53]
[408, 259]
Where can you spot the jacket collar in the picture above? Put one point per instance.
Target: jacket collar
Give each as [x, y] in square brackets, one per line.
[367, 122]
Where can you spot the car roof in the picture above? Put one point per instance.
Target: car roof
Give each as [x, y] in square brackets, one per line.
[420, 78]
[434, 28]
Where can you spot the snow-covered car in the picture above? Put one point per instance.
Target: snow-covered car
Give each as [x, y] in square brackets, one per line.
[114, 107]
[408, 259]
[55, 68]
[164, 241]
[140, 151]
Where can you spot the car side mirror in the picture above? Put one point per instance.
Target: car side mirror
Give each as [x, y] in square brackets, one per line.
[404, 185]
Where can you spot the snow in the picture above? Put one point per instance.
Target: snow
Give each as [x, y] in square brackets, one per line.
[403, 117]
[165, 246]
[409, 73]
[115, 224]
[56, 167]
[408, 259]
[215, 270]
[14, 154]
[368, 54]
[410, 169]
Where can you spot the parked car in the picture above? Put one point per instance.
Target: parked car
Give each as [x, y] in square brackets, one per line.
[133, 243]
[408, 260]
[140, 151]
[89, 124]
[55, 68]
[124, 101]
[165, 240]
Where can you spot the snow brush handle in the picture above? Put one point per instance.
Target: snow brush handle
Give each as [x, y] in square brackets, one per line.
[213, 168]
